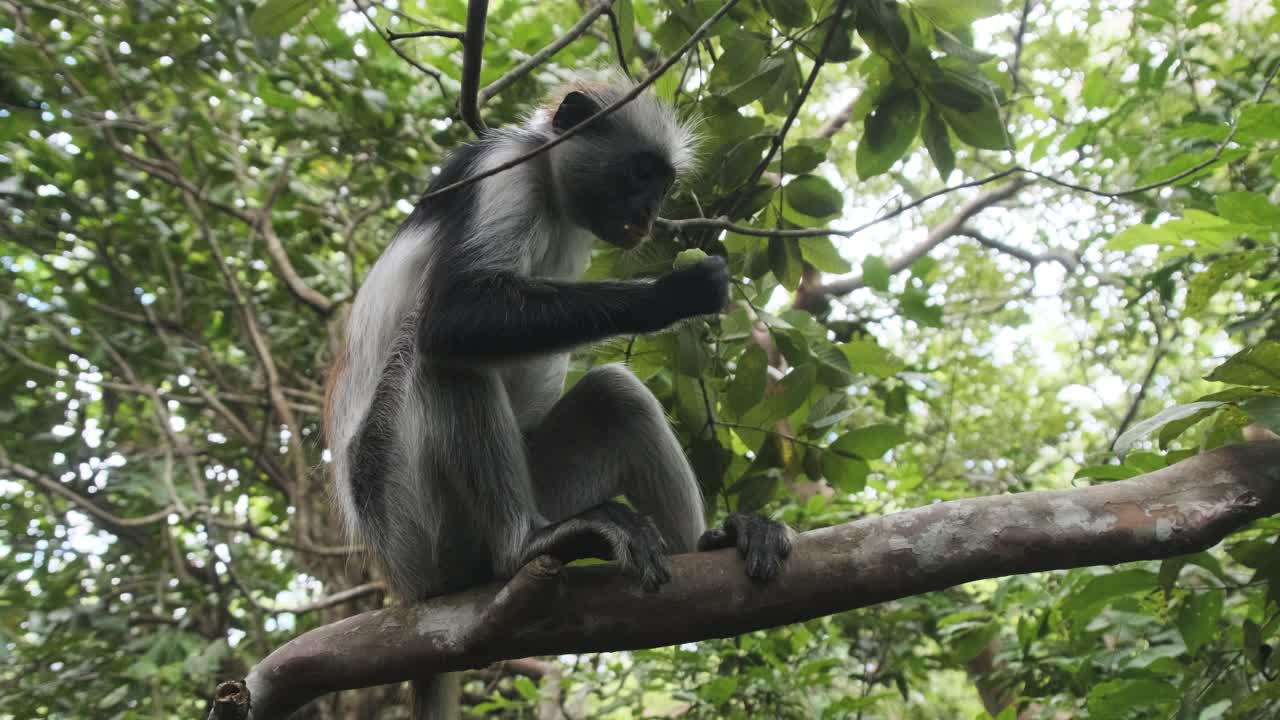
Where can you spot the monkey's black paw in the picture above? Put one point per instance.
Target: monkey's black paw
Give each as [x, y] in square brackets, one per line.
[635, 543]
[611, 531]
[698, 289]
[763, 544]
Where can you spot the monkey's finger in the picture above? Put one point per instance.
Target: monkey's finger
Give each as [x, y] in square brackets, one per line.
[714, 539]
[771, 546]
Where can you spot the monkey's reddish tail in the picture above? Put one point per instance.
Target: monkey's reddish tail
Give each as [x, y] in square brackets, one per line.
[436, 697]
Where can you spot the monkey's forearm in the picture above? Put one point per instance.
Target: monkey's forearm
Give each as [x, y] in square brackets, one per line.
[510, 316]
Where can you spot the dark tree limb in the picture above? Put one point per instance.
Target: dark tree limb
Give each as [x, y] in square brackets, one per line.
[472, 59]
[1184, 508]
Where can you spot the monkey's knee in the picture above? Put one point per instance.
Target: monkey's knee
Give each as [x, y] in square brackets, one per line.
[616, 389]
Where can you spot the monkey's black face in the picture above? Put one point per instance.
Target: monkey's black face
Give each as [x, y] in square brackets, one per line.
[620, 203]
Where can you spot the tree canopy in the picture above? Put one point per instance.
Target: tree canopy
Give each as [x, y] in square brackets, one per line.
[977, 248]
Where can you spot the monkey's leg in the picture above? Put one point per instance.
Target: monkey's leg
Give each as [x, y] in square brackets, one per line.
[608, 436]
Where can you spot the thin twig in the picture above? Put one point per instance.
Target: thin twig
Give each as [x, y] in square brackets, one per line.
[386, 36]
[780, 137]
[1015, 67]
[453, 34]
[616, 27]
[723, 223]
[546, 53]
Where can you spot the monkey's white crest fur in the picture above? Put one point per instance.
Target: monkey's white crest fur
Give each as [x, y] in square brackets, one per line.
[651, 117]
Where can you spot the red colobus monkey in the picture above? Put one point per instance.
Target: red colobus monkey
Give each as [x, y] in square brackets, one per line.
[457, 454]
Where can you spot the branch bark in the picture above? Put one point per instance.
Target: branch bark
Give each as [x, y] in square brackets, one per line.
[952, 226]
[547, 610]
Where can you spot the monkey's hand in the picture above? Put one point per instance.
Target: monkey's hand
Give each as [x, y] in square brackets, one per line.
[611, 531]
[698, 289]
[763, 544]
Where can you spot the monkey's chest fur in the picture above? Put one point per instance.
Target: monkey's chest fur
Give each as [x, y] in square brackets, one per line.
[534, 384]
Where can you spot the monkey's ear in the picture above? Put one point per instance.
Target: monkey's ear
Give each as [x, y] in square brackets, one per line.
[575, 108]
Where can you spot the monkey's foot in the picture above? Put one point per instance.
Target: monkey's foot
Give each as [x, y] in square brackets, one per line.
[763, 544]
[611, 531]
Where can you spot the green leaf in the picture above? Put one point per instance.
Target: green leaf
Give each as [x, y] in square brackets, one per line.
[867, 356]
[1248, 207]
[804, 156]
[1106, 472]
[951, 14]
[626, 14]
[823, 254]
[845, 472]
[814, 196]
[749, 381]
[274, 17]
[692, 256]
[1155, 422]
[870, 442]
[981, 128]
[785, 262]
[888, 133]
[719, 690]
[957, 48]
[1140, 235]
[914, 305]
[937, 139]
[1117, 698]
[789, 13]
[1102, 589]
[876, 273]
[954, 95]
[691, 352]
[966, 645]
[738, 163]
[1205, 284]
[757, 489]
[795, 389]
[526, 688]
[1198, 618]
[1096, 88]
[1256, 365]
[1260, 122]
[1265, 410]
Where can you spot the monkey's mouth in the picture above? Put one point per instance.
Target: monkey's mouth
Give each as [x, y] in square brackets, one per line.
[634, 233]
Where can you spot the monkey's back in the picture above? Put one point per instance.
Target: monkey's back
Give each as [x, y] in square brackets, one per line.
[397, 468]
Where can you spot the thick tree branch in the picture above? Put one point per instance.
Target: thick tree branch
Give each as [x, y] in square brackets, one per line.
[1183, 508]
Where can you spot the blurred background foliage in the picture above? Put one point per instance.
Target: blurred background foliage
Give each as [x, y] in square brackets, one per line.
[191, 192]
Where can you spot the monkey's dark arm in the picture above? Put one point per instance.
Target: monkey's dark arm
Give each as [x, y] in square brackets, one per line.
[499, 316]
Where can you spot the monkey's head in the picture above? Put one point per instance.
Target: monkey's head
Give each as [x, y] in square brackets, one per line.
[612, 177]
